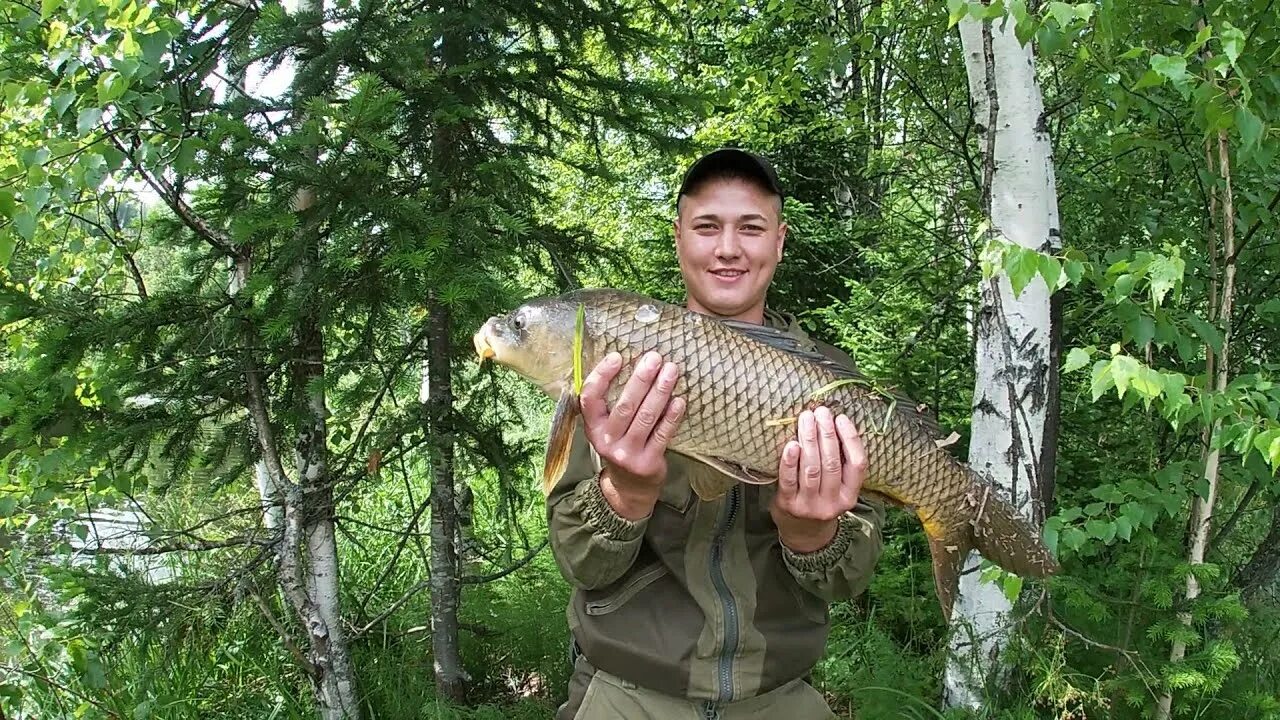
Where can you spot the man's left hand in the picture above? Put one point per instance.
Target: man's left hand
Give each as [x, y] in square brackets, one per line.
[819, 478]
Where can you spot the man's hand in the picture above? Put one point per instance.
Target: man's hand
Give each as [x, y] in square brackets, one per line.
[632, 438]
[819, 478]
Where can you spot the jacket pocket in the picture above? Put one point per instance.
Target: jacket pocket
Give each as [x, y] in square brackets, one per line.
[637, 582]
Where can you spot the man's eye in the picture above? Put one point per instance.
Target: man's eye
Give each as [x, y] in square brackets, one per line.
[753, 229]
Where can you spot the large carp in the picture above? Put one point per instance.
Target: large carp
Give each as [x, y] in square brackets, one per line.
[744, 385]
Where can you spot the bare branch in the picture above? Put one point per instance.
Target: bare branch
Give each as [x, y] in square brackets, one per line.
[408, 595]
[173, 199]
[285, 639]
[191, 546]
[480, 579]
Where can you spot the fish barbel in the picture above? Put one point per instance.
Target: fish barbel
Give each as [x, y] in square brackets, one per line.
[744, 386]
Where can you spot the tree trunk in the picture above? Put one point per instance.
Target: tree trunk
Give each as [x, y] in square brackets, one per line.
[269, 490]
[450, 138]
[335, 683]
[445, 586]
[1012, 427]
[1220, 312]
[853, 88]
[309, 554]
[303, 511]
[309, 582]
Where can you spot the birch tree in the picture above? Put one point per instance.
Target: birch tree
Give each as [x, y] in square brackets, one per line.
[1012, 410]
[1221, 241]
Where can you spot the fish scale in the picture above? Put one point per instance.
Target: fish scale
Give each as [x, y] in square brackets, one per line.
[712, 394]
[744, 385]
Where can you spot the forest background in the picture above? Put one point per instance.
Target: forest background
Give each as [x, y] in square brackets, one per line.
[249, 467]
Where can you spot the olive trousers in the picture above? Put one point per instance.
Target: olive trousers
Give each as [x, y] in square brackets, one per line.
[597, 695]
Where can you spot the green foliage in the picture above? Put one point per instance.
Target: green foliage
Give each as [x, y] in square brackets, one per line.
[478, 154]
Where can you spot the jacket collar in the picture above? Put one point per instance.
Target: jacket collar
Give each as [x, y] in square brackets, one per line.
[788, 323]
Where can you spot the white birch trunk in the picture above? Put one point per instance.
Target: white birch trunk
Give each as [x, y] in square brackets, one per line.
[1010, 411]
[321, 613]
[1202, 507]
[269, 489]
[337, 687]
[311, 507]
[269, 492]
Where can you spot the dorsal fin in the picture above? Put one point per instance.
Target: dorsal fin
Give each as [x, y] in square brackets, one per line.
[789, 343]
[906, 407]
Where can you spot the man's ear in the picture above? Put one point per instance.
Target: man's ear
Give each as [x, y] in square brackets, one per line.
[782, 239]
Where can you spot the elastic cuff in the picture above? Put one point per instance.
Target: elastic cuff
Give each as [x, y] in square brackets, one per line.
[826, 558]
[597, 511]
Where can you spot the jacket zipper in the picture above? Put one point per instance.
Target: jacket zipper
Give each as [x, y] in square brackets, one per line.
[726, 598]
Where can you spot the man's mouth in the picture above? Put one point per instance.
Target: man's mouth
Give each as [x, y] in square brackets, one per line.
[728, 274]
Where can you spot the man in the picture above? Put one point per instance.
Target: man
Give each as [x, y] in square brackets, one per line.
[691, 609]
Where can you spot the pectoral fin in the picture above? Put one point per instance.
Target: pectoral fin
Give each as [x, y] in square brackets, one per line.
[560, 440]
[711, 485]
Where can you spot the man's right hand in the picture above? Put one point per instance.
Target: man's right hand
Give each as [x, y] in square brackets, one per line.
[632, 438]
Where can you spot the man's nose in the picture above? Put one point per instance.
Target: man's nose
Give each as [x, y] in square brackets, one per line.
[728, 246]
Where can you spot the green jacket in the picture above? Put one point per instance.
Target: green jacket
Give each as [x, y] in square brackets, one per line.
[701, 600]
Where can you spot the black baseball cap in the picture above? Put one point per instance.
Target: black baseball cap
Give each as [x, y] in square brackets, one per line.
[733, 160]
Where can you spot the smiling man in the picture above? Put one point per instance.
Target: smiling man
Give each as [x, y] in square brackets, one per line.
[691, 609]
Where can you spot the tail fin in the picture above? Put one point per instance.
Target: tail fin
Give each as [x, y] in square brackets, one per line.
[1006, 538]
[994, 529]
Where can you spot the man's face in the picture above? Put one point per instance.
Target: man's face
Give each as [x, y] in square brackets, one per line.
[729, 239]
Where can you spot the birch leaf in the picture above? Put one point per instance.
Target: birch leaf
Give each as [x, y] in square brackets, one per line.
[1232, 41]
[1102, 379]
[1172, 67]
[1050, 270]
[87, 120]
[1073, 538]
[1076, 359]
[1124, 527]
[1250, 126]
[1123, 370]
[1207, 332]
[1164, 274]
[1021, 265]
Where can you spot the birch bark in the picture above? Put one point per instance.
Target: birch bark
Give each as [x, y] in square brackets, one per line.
[1219, 369]
[1012, 412]
[309, 555]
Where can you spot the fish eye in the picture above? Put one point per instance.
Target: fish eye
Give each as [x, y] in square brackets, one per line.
[518, 321]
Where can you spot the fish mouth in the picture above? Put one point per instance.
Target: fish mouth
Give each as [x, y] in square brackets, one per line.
[484, 348]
